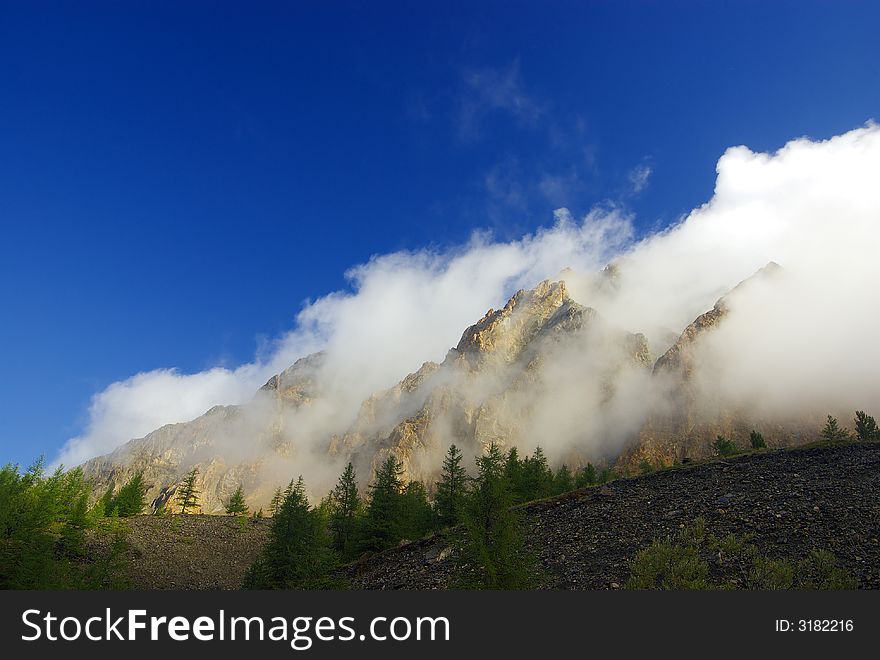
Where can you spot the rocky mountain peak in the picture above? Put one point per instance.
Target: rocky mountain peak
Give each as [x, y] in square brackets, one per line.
[502, 334]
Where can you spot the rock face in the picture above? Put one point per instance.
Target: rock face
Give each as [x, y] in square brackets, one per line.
[692, 418]
[543, 370]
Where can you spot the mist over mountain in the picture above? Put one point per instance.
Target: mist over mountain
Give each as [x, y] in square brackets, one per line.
[757, 310]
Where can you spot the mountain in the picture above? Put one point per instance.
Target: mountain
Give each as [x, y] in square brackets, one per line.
[543, 370]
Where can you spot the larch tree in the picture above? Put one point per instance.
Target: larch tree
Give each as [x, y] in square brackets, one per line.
[452, 488]
[187, 493]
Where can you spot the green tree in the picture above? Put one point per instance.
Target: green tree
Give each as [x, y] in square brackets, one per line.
[832, 431]
[345, 510]
[491, 552]
[563, 481]
[724, 447]
[531, 478]
[757, 440]
[587, 476]
[187, 493]
[132, 497]
[607, 474]
[452, 488]
[43, 520]
[417, 518]
[382, 520]
[236, 505]
[107, 501]
[298, 553]
[277, 499]
[866, 427]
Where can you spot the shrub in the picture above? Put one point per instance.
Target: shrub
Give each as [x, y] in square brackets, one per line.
[667, 565]
[682, 562]
[771, 574]
[819, 570]
[724, 447]
[757, 440]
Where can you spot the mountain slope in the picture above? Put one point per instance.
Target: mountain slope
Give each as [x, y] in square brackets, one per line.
[789, 501]
[542, 370]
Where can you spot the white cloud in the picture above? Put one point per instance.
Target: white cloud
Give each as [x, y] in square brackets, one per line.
[492, 90]
[814, 207]
[134, 407]
[639, 176]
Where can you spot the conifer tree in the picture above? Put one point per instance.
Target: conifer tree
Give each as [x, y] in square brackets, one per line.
[345, 507]
[536, 479]
[277, 499]
[451, 488]
[298, 553]
[607, 474]
[757, 440]
[491, 553]
[132, 497]
[43, 520]
[417, 518]
[515, 475]
[237, 505]
[562, 480]
[382, 522]
[107, 501]
[187, 493]
[587, 476]
[832, 431]
[866, 427]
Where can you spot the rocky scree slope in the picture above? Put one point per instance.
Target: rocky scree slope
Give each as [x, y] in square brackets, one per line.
[788, 501]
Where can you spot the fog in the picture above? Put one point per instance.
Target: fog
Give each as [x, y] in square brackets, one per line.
[800, 342]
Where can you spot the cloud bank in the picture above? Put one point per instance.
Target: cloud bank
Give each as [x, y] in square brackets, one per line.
[813, 207]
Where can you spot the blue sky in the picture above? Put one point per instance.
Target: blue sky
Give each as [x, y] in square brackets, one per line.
[177, 178]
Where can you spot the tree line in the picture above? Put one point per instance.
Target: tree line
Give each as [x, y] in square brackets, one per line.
[45, 518]
[44, 521]
[307, 543]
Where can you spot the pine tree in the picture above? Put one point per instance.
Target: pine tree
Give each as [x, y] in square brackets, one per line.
[587, 476]
[452, 488]
[417, 518]
[536, 478]
[757, 440]
[724, 447]
[491, 553]
[236, 505]
[832, 431]
[298, 553]
[515, 475]
[107, 501]
[132, 497]
[562, 480]
[188, 494]
[344, 511]
[607, 474]
[382, 522]
[866, 427]
[277, 499]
